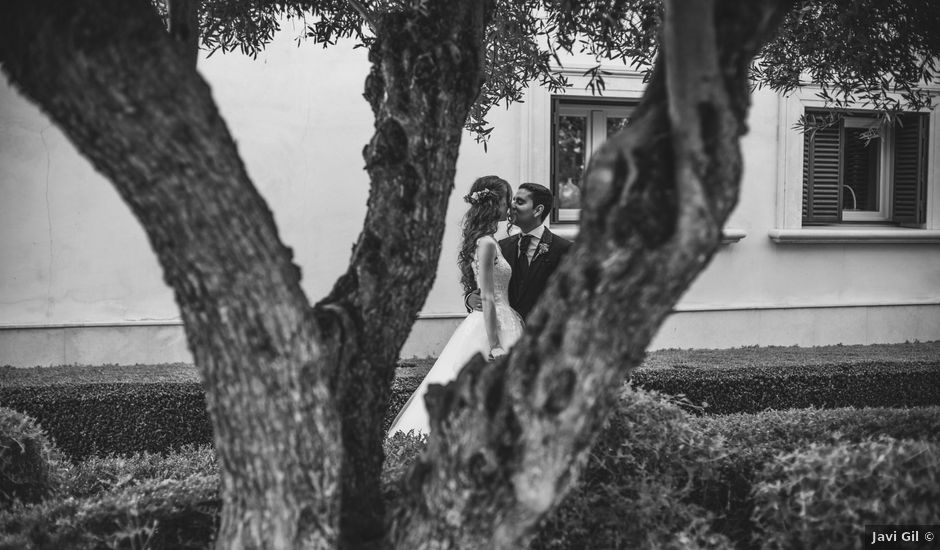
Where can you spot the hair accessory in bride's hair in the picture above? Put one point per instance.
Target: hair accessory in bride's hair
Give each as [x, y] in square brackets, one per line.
[479, 196]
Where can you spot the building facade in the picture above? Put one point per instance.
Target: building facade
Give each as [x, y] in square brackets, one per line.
[836, 238]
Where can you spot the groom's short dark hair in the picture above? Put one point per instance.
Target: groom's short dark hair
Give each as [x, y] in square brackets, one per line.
[540, 195]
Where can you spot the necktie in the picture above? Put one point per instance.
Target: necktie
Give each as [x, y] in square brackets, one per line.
[522, 265]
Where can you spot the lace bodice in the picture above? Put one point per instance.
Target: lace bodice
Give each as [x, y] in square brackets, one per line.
[502, 272]
[509, 322]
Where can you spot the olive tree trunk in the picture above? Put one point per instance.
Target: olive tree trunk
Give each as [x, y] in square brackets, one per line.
[508, 439]
[427, 72]
[130, 100]
[295, 393]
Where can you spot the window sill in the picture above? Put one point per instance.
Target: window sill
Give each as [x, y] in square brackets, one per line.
[570, 231]
[731, 235]
[848, 235]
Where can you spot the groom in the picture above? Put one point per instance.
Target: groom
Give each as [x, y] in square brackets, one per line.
[533, 254]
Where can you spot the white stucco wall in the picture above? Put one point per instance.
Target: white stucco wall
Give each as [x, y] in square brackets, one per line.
[79, 283]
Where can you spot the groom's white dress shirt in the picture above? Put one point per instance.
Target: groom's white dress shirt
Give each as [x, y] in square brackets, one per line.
[534, 243]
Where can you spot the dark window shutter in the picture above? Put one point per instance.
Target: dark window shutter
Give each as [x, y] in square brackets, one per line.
[822, 175]
[910, 169]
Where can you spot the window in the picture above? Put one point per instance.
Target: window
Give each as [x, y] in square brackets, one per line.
[857, 169]
[579, 127]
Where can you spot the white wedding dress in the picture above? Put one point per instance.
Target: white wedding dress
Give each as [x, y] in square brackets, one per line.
[469, 339]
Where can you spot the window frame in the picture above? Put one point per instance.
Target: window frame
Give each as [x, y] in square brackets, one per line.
[534, 144]
[885, 172]
[596, 110]
[789, 185]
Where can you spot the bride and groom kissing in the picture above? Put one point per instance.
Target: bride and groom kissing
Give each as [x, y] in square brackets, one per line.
[502, 280]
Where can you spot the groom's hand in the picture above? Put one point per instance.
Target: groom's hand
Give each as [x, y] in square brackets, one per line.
[474, 302]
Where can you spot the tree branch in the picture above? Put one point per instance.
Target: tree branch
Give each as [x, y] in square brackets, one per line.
[367, 15]
[107, 73]
[695, 90]
[427, 71]
[184, 26]
[507, 440]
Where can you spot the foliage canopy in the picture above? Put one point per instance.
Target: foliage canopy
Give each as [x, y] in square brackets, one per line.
[880, 54]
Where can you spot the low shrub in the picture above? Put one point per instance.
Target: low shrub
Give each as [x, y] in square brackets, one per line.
[776, 431]
[402, 388]
[401, 451]
[96, 475]
[824, 495]
[29, 464]
[657, 478]
[634, 490]
[165, 514]
[142, 501]
[754, 440]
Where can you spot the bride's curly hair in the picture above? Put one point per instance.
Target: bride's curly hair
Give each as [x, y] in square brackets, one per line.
[481, 219]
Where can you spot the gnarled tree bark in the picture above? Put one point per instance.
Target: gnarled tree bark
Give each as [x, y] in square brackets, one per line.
[427, 72]
[295, 393]
[126, 95]
[508, 439]
[183, 25]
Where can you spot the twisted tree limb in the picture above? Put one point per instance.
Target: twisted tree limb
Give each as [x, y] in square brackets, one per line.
[508, 439]
[114, 81]
[184, 26]
[427, 72]
[295, 393]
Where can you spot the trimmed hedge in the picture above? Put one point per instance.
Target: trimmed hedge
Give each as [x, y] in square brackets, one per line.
[86, 419]
[767, 386]
[90, 419]
[745, 386]
[634, 491]
[753, 441]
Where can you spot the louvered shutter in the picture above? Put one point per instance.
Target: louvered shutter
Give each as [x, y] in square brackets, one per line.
[910, 169]
[822, 175]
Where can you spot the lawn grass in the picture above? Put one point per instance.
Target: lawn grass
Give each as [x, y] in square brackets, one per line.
[736, 358]
[778, 356]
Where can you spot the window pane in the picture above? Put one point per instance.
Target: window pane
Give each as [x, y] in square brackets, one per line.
[570, 145]
[860, 160]
[615, 124]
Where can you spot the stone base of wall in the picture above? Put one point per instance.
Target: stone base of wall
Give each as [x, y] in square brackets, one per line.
[129, 344]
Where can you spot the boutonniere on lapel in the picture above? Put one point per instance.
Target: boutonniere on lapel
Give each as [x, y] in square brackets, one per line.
[541, 249]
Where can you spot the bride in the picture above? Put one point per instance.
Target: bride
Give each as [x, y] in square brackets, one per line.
[490, 332]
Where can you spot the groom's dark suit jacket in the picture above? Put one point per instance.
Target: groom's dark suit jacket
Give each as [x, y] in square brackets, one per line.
[524, 293]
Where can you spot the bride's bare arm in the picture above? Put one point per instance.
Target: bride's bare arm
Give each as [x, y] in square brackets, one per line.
[486, 251]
